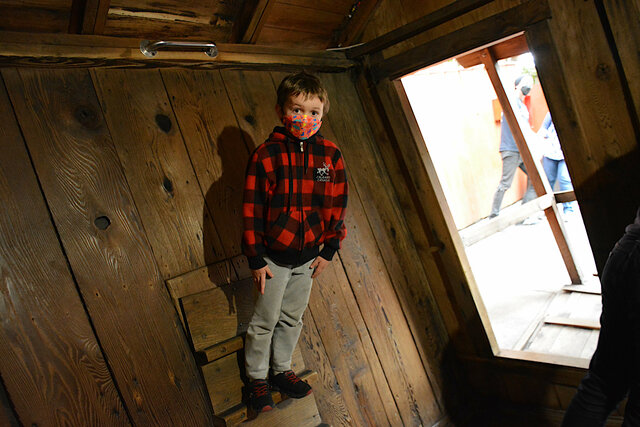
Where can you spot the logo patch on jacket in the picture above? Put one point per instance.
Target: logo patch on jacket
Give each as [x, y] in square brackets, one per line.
[322, 174]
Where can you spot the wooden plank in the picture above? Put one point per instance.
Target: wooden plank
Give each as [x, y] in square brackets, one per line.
[372, 276]
[241, 266]
[218, 314]
[564, 196]
[52, 365]
[330, 303]
[594, 125]
[216, 147]
[224, 378]
[326, 391]
[556, 359]
[253, 97]
[158, 169]
[107, 248]
[511, 47]
[88, 16]
[259, 15]
[507, 218]
[47, 16]
[219, 350]
[622, 16]
[298, 412]
[482, 33]
[72, 51]
[431, 222]
[358, 18]
[594, 288]
[297, 19]
[202, 279]
[571, 321]
[534, 168]
[444, 14]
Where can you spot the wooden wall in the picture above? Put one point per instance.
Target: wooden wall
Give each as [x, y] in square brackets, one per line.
[114, 182]
[585, 59]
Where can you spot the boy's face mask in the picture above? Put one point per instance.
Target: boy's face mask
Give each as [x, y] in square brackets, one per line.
[301, 126]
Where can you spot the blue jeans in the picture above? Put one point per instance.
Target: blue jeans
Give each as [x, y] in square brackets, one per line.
[614, 370]
[556, 170]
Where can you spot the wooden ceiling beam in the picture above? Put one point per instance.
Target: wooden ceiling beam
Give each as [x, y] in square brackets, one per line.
[74, 51]
[252, 19]
[440, 16]
[88, 16]
[356, 23]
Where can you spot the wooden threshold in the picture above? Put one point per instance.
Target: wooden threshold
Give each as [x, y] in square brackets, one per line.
[553, 359]
[79, 51]
[568, 321]
[507, 218]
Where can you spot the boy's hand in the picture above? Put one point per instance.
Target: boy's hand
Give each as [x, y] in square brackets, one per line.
[319, 264]
[260, 277]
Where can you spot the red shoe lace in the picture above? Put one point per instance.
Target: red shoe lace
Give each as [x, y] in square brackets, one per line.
[260, 389]
[292, 377]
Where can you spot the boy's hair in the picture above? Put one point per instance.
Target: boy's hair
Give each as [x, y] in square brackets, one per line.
[302, 83]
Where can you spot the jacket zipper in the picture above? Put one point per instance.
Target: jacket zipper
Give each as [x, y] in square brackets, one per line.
[301, 230]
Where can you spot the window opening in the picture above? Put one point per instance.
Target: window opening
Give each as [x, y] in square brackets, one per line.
[532, 263]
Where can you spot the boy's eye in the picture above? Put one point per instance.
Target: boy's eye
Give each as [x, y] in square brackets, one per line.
[314, 113]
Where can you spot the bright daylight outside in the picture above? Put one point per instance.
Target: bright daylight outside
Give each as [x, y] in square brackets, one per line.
[527, 284]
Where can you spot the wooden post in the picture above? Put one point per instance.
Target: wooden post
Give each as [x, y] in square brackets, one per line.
[540, 185]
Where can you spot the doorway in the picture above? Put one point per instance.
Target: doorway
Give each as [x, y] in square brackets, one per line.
[532, 262]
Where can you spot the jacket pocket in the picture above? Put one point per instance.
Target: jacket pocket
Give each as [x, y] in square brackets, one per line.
[313, 229]
[283, 234]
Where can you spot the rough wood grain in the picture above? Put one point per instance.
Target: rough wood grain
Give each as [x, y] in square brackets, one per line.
[253, 97]
[389, 232]
[332, 305]
[216, 147]
[51, 363]
[371, 283]
[107, 248]
[158, 170]
[219, 314]
[202, 279]
[326, 391]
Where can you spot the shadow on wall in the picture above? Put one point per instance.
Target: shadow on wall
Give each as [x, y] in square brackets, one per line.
[223, 201]
[610, 197]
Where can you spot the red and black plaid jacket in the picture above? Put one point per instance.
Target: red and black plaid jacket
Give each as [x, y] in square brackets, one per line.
[295, 197]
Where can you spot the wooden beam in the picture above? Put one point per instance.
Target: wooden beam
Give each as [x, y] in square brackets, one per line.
[88, 16]
[356, 23]
[254, 16]
[578, 323]
[512, 47]
[473, 37]
[534, 169]
[75, 51]
[564, 196]
[440, 16]
[507, 218]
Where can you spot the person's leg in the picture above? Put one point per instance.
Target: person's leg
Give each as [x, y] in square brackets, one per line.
[530, 193]
[287, 330]
[608, 378]
[551, 170]
[632, 409]
[266, 313]
[510, 161]
[564, 180]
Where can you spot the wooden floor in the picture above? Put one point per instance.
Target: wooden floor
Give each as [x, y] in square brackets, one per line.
[526, 290]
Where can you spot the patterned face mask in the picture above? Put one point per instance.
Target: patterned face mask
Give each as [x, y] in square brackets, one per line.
[301, 126]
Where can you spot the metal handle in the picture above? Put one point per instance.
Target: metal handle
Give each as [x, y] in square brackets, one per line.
[149, 48]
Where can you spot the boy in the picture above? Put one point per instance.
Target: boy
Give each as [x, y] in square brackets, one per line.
[294, 201]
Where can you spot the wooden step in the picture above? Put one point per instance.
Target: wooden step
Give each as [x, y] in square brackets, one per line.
[241, 414]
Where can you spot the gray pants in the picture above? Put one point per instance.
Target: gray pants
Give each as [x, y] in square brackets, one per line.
[511, 161]
[277, 320]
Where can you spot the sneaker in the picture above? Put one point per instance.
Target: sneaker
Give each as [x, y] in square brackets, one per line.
[260, 396]
[290, 384]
